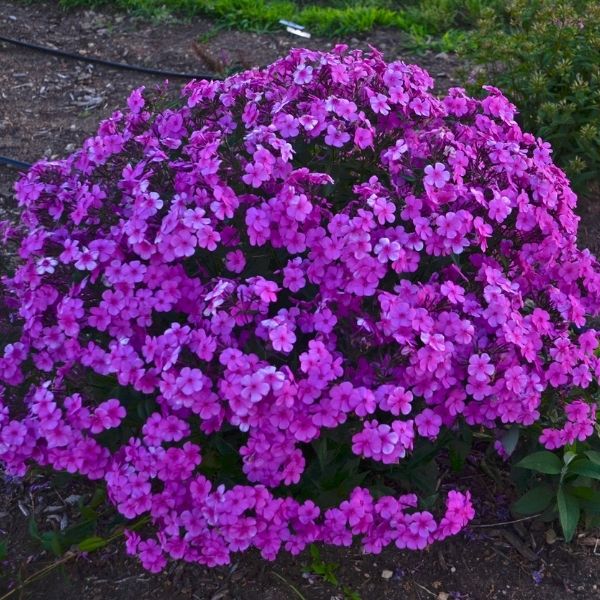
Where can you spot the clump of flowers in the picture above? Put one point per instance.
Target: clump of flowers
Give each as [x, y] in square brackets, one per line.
[319, 247]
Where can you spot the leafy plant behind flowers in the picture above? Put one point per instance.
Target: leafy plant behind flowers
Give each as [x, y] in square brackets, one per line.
[545, 55]
[260, 314]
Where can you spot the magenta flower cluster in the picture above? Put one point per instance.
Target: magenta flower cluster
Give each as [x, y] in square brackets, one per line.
[320, 243]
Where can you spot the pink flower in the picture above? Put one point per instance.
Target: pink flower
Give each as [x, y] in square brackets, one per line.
[282, 338]
[421, 106]
[480, 367]
[195, 219]
[190, 381]
[293, 278]
[235, 261]
[266, 290]
[303, 74]
[14, 433]
[379, 104]
[46, 265]
[109, 414]
[422, 524]
[428, 423]
[383, 210]
[387, 250]
[363, 137]
[151, 556]
[256, 174]
[136, 100]
[398, 401]
[436, 176]
[86, 260]
[499, 208]
[299, 207]
[336, 137]
[254, 387]
[454, 293]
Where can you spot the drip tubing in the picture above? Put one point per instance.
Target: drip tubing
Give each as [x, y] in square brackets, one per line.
[108, 63]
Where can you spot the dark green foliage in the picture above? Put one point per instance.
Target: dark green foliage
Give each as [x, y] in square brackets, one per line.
[327, 572]
[569, 489]
[328, 18]
[545, 55]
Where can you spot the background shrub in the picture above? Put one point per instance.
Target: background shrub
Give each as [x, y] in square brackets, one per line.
[545, 55]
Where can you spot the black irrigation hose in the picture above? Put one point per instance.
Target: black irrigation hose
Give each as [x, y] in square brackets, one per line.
[18, 164]
[108, 63]
[11, 162]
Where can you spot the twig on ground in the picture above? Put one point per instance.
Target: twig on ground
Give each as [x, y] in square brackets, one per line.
[292, 587]
[504, 522]
[425, 589]
[39, 574]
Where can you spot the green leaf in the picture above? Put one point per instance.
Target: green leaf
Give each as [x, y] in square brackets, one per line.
[76, 533]
[542, 462]
[589, 499]
[534, 501]
[569, 457]
[52, 541]
[510, 439]
[429, 502]
[315, 554]
[3, 550]
[89, 514]
[593, 456]
[321, 450]
[98, 498]
[33, 529]
[92, 543]
[584, 467]
[458, 453]
[350, 594]
[568, 512]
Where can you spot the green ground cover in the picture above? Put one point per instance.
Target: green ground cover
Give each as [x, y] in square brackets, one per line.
[330, 18]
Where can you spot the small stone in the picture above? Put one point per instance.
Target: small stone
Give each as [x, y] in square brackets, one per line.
[387, 574]
[550, 536]
[443, 596]
[452, 569]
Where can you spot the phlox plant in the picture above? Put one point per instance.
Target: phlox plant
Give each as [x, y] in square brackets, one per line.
[319, 250]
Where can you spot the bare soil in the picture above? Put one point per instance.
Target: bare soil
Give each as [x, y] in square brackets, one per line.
[48, 106]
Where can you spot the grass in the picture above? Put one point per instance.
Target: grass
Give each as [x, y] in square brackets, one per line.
[329, 18]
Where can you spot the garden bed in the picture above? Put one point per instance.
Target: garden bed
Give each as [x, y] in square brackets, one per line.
[49, 106]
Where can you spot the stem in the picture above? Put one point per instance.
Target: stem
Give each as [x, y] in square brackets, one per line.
[39, 574]
[68, 556]
[498, 524]
[292, 587]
